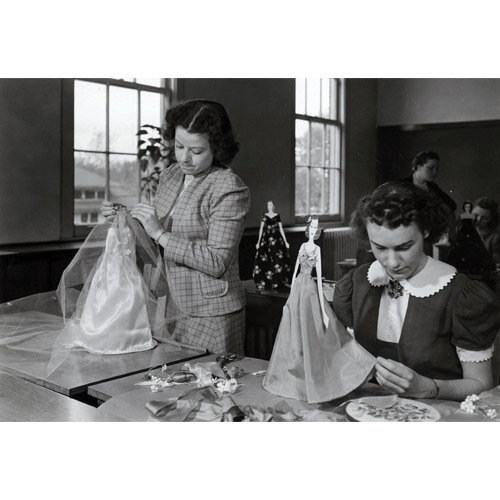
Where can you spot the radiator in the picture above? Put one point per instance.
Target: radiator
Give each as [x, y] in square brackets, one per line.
[338, 244]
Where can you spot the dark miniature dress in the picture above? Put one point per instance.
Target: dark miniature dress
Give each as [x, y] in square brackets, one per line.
[310, 362]
[468, 254]
[272, 261]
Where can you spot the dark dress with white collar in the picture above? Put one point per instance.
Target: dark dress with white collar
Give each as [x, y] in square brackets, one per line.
[464, 314]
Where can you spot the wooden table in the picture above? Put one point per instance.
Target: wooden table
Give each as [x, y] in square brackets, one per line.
[128, 401]
[23, 401]
[82, 369]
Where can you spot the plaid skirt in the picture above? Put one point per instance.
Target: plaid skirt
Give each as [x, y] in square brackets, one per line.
[216, 333]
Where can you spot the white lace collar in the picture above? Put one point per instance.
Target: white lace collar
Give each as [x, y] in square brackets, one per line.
[430, 280]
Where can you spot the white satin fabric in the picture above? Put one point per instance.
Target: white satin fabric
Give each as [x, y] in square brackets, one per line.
[115, 318]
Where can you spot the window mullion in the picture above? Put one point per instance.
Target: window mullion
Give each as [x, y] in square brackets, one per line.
[107, 188]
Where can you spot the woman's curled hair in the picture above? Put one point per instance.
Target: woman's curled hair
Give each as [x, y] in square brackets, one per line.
[395, 204]
[201, 116]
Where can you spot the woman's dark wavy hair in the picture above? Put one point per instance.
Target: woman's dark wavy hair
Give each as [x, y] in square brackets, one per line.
[397, 204]
[422, 158]
[201, 116]
[491, 205]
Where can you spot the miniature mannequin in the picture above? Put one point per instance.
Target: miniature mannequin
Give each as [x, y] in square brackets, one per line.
[468, 254]
[314, 358]
[272, 262]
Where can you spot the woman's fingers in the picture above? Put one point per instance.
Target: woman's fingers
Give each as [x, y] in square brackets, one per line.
[394, 373]
[388, 384]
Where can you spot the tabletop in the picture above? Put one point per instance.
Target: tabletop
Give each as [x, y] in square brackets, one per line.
[23, 401]
[128, 401]
[82, 368]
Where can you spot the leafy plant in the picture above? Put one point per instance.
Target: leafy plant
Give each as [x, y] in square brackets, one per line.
[153, 158]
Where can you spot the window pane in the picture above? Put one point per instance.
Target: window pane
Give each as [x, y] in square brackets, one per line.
[123, 126]
[152, 82]
[300, 96]
[90, 175]
[333, 105]
[151, 109]
[124, 179]
[301, 190]
[90, 116]
[301, 142]
[318, 144]
[313, 96]
[334, 147]
[316, 191]
[325, 97]
[327, 199]
[334, 191]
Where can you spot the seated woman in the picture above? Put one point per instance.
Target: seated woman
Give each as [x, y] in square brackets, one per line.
[487, 218]
[431, 328]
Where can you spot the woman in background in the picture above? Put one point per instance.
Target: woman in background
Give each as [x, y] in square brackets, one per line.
[431, 328]
[486, 219]
[198, 218]
[425, 167]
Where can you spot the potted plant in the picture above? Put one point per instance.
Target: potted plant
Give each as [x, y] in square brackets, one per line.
[153, 158]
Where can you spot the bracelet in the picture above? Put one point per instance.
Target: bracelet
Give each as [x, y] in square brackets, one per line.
[434, 391]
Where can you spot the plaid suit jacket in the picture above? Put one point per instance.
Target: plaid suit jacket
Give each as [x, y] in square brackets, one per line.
[201, 251]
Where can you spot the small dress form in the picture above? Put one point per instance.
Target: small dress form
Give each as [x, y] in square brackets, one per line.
[114, 318]
[310, 362]
[468, 254]
[272, 261]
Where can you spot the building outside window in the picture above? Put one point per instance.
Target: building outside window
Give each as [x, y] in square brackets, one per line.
[319, 128]
[107, 115]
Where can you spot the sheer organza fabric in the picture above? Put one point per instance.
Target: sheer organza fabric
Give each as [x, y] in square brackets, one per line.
[112, 299]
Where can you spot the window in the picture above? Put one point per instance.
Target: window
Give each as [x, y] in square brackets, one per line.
[107, 115]
[318, 147]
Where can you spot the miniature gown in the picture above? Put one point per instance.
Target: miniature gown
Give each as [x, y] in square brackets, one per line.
[111, 299]
[310, 362]
[272, 261]
[468, 254]
[114, 318]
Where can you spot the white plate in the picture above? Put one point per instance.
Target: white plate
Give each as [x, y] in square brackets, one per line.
[390, 409]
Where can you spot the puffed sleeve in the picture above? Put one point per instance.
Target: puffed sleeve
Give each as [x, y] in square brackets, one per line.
[476, 317]
[342, 299]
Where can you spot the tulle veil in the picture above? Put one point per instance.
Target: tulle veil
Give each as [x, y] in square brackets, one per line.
[48, 323]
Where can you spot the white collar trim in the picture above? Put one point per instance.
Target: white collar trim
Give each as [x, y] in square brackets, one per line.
[434, 276]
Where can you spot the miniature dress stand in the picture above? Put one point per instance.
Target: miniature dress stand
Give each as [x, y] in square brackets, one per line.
[314, 358]
[272, 264]
[468, 254]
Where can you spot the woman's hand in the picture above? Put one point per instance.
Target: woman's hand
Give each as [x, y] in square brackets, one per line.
[108, 211]
[287, 244]
[147, 216]
[402, 380]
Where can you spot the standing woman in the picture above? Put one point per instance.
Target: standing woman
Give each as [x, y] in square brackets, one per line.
[431, 328]
[424, 169]
[198, 218]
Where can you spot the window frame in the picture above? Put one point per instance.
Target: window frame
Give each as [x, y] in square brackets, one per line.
[68, 229]
[339, 122]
